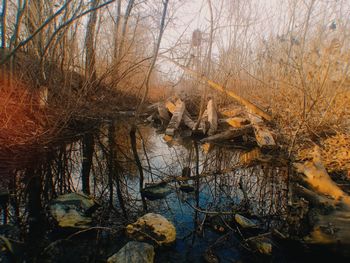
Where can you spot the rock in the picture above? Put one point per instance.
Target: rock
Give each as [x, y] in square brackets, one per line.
[73, 210]
[11, 250]
[187, 188]
[157, 191]
[210, 257]
[133, 252]
[244, 222]
[216, 223]
[262, 245]
[153, 227]
[65, 250]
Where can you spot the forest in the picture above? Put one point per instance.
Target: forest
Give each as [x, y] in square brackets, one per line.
[140, 131]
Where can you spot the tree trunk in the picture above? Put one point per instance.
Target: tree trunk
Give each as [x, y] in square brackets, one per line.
[3, 23]
[88, 150]
[90, 58]
[116, 37]
[124, 28]
[155, 55]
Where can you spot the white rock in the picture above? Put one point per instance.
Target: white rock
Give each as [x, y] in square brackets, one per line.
[70, 210]
[133, 252]
[153, 227]
[244, 222]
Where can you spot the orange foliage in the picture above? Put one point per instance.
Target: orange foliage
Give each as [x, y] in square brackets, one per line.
[20, 115]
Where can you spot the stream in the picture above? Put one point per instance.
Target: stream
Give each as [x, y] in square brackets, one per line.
[206, 186]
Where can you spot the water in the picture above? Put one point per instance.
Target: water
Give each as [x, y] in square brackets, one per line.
[220, 193]
[203, 218]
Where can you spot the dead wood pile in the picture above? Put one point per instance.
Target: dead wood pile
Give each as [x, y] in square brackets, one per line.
[215, 125]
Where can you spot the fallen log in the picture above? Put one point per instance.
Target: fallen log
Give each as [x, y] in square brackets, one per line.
[237, 122]
[163, 112]
[212, 117]
[186, 116]
[317, 177]
[204, 124]
[170, 106]
[232, 112]
[151, 108]
[331, 228]
[228, 135]
[312, 197]
[232, 94]
[176, 119]
[263, 135]
[330, 205]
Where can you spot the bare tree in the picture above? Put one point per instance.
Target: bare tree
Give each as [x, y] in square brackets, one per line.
[90, 57]
[155, 54]
[3, 23]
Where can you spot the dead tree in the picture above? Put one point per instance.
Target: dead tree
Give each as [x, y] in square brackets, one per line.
[155, 55]
[117, 25]
[90, 56]
[3, 23]
[90, 75]
[124, 28]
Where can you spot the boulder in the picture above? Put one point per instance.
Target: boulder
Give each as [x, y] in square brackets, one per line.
[244, 222]
[11, 250]
[156, 191]
[73, 210]
[153, 227]
[187, 188]
[133, 252]
[262, 245]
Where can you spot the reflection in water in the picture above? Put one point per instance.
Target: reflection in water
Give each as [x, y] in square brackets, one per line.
[224, 188]
[202, 218]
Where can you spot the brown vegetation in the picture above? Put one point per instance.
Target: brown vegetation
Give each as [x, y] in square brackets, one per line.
[295, 65]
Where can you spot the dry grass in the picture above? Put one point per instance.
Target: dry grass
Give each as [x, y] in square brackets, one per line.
[310, 101]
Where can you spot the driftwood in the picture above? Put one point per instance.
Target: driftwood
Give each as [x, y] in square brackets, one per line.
[186, 116]
[207, 147]
[204, 124]
[255, 109]
[151, 108]
[237, 122]
[170, 106]
[232, 112]
[317, 177]
[176, 119]
[263, 135]
[228, 135]
[212, 117]
[312, 197]
[332, 226]
[163, 112]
